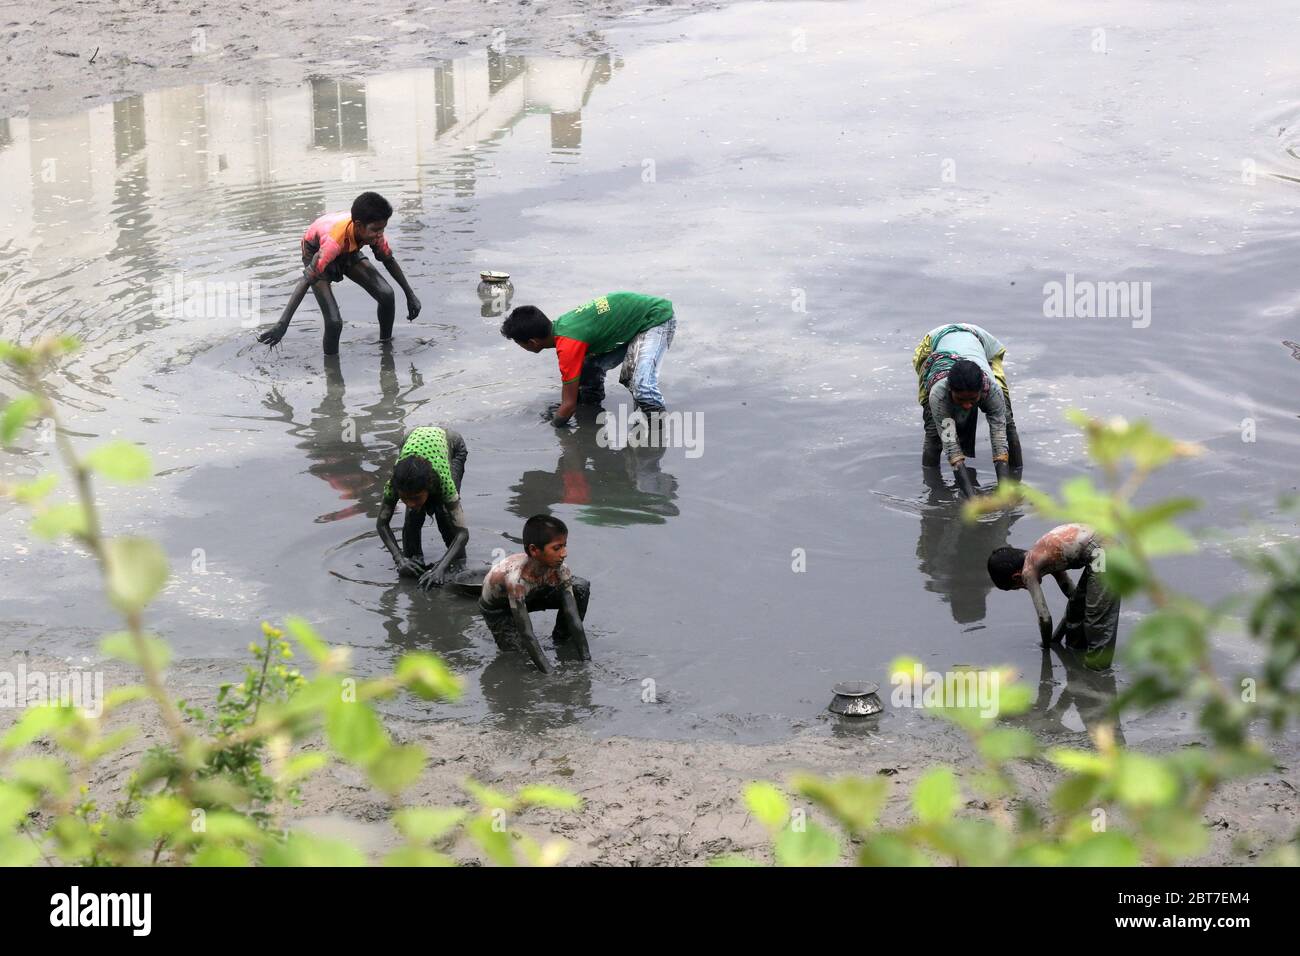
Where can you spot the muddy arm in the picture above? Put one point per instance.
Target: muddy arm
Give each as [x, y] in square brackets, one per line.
[412, 303]
[438, 573]
[406, 567]
[573, 622]
[568, 404]
[276, 332]
[962, 477]
[1040, 607]
[524, 627]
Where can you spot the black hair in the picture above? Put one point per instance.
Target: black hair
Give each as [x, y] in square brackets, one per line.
[541, 530]
[1003, 564]
[371, 207]
[526, 322]
[412, 475]
[965, 376]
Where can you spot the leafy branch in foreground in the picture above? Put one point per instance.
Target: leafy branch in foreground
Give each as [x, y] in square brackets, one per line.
[1113, 805]
[216, 791]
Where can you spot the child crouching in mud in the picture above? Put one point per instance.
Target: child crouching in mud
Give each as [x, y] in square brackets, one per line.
[536, 580]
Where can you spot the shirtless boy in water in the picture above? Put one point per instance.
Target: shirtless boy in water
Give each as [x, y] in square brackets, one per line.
[1092, 611]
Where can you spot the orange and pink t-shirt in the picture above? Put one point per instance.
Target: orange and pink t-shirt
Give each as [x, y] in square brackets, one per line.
[331, 236]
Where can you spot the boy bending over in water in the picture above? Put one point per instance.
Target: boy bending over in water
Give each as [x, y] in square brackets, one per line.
[536, 580]
[331, 251]
[1092, 612]
[427, 478]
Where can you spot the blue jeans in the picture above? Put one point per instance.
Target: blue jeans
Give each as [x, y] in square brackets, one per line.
[640, 359]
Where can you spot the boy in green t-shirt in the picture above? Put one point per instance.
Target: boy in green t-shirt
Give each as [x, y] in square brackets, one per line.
[427, 479]
[621, 328]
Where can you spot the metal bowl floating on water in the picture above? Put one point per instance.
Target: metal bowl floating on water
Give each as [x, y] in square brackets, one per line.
[494, 292]
[856, 698]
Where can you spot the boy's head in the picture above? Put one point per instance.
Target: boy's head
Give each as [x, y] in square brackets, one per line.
[412, 479]
[370, 215]
[1005, 565]
[528, 327]
[965, 383]
[546, 540]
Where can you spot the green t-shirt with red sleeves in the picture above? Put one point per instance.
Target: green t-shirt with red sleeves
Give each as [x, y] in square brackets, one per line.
[602, 325]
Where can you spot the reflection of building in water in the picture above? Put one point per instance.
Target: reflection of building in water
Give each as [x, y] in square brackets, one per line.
[277, 159]
[615, 487]
[953, 553]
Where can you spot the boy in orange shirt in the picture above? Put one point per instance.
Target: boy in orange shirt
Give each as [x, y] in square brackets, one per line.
[331, 251]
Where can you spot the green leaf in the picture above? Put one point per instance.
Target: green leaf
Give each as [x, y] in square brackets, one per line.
[1142, 781]
[813, 846]
[1177, 832]
[888, 849]
[355, 732]
[219, 854]
[733, 859]
[427, 677]
[165, 816]
[397, 768]
[767, 804]
[1104, 849]
[307, 638]
[18, 850]
[15, 803]
[1164, 539]
[935, 797]
[1014, 699]
[853, 801]
[541, 796]
[223, 825]
[303, 766]
[973, 842]
[34, 723]
[417, 856]
[1079, 761]
[1005, 743]
[122, 646]
[137, 571]
[497, 844]
[120, 461]
[42, 773]
[16, 414]
[58, 520]
[423, 824]
[302, 849]
[35, 490]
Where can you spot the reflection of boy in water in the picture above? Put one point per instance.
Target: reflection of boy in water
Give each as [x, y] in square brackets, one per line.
[331, 252]
[536, 580]
[1092, 611]
[427, 479]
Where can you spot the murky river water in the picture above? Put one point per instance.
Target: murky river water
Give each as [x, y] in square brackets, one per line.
[814, 186]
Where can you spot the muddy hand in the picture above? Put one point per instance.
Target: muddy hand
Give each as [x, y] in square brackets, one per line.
[534, 651]
[410, 568]
[273, 335]
[412, 308]
[433, 578]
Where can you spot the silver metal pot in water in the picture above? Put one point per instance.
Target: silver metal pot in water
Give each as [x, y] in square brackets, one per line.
[494, 292]
[856, 698]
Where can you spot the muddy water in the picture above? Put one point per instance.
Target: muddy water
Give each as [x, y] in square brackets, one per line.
[814, 186]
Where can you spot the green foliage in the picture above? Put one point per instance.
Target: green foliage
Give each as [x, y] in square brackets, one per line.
[1111, 806]
[215, 791]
